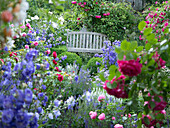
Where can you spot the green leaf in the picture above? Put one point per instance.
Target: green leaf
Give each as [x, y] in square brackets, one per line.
[147, 31]
[141, 25]
[129, 56]
[148, 46]
[101, 76]
[109, 85]
[117, 49]
[155, 90]
[151, 62]
[139, 49]
[166, 30]
[112, 69]
[125, 45]
[146, 120]
[133, 45]
[152, 104]
[160, 116]
[156, 98]
[120, 56]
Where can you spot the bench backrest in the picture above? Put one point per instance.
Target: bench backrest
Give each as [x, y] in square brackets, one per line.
[85, 42]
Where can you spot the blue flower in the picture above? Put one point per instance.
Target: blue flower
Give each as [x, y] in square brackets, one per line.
[7, 103]
[56, 113]
[50, 115]
[43, 87]
[7, 116]
[57, 102]
[76, 78]
[28, 96]
[6, 48]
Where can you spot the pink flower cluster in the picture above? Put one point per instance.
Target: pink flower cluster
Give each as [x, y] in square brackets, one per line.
[160, 62]
[119, 91]
[93, 115]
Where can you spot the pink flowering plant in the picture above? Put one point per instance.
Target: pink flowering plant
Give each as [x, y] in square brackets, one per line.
[139, 73]
[108, 18]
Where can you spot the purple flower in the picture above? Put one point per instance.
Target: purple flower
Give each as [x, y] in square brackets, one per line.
[57, 102]
[7, 116]
[43, 87]
[28, 96]
[57, 113]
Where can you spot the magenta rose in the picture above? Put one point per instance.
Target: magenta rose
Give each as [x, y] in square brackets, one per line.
[151, 121]
[119, 91]
[129, 67]
[98, 17]
[60, 77]
[158, 60]
[35, 43]
[118, 126]
[73, 2]
[101, 116]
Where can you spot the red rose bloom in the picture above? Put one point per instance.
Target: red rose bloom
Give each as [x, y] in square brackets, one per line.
[60, 77]
[129, 67]
[151, 121]
[158, 105]
[54, 55]
[54, 62]
[119, 91]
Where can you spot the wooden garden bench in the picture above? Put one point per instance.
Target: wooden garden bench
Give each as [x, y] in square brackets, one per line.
[84, 41]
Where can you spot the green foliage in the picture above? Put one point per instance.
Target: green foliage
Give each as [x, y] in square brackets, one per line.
[92, 64]
[121, 17]
[59, 50]
[71, 58]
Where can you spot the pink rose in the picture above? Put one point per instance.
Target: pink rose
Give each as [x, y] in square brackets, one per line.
[60, 77]
[26, 46]
[101, 98]
[84, 3]
[73, 2]
[28, 25]
[101, 116]
[129, 115]
[78, 18]
[23, 27]
[113, 118]
[16, 59]
[54, 54]
[118, 126]
[2, 61]
[6, 16]
[48, 51]
[93, 115]
[130, 67]
[14, 37]
[147, 22]
[104, 14]
[160, 62]
[166, 24]
[79, 3]
[108, 13]
[24, 35]
[163, 112]
[156, 2]
[35, 43]
[98, 17]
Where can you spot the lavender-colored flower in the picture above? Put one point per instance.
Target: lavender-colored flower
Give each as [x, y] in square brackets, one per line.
[76, 78]
[50, 115]
[7, 116]
[57, 102]
[57, 113]
[43, 87]
[28, 96]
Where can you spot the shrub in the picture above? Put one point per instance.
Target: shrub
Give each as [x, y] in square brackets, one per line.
[59, 50]
[93, 64]
[71, 58]
[108, 18]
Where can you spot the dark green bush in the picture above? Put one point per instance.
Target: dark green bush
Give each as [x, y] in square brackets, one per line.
[92, 66]
[71, 58]
[59, 50]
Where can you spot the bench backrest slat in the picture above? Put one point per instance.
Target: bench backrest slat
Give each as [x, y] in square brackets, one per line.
[85, 41]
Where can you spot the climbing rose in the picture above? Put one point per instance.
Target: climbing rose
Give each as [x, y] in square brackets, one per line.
[48, 51]
[101, 116]
[158, 105]
[54, 55]
[73, 2]
[118, 126]
[98, 17]
[119, 91]
[26, 46]
[60, 77]
[158, 60]
[151, 122]
[6, 16]
[101, 97]
[129, 67]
